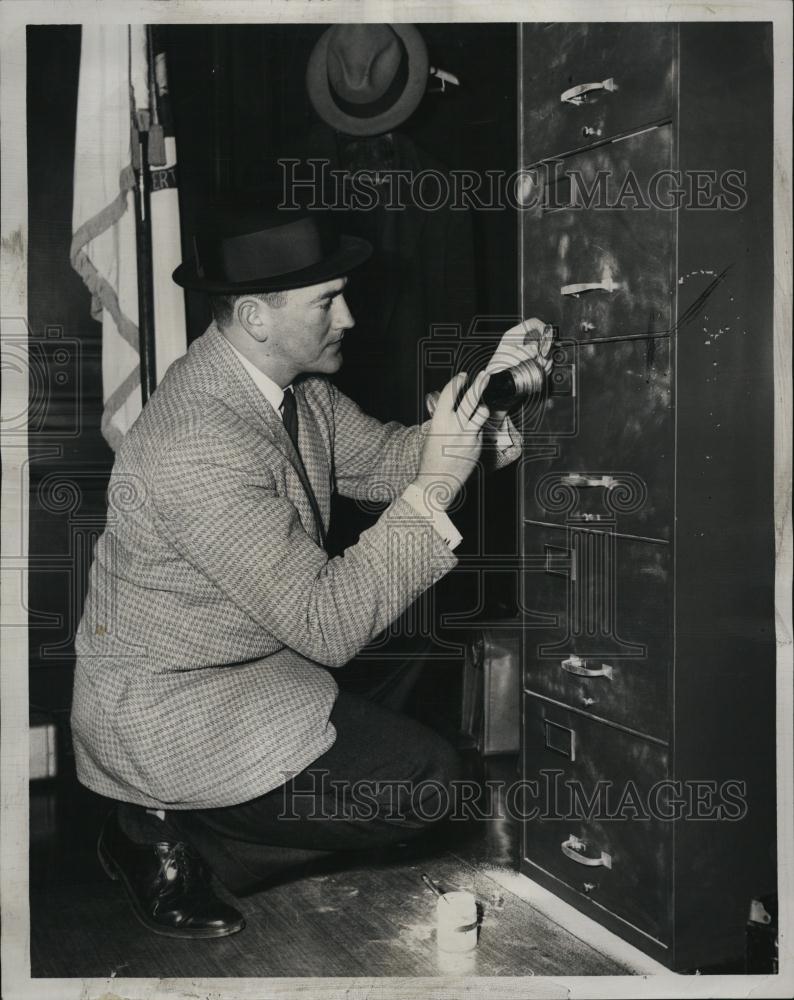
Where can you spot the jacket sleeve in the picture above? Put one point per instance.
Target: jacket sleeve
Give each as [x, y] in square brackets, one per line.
[372, 461]
[375, 461]
[228, 520]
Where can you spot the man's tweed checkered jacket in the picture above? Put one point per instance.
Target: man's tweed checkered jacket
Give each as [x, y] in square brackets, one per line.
[212, 611]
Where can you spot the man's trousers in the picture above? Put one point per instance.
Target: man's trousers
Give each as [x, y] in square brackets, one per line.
[386, 779]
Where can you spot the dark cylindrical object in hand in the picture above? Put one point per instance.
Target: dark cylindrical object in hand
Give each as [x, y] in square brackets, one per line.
[512, 386]
[505, 389]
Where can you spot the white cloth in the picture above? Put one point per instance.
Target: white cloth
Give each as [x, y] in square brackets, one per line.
[113, 60]
[103, 223]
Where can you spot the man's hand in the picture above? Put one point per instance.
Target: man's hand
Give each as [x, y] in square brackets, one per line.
[529, 339]
[453, 442]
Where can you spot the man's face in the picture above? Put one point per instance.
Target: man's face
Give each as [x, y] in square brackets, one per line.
[305, 332]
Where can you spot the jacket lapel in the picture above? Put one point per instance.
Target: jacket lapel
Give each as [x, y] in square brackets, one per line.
[220, 367]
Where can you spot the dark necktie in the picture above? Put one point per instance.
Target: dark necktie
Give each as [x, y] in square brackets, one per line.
[289, 409]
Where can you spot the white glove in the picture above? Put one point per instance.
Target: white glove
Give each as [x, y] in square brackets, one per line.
[531, 338]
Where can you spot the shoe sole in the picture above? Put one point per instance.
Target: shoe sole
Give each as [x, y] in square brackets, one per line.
[114, 873]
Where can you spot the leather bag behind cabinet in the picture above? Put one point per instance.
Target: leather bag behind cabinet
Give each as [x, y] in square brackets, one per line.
[490, 709]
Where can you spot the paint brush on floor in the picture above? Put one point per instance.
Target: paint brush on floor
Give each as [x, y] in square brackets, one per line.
[434, 888]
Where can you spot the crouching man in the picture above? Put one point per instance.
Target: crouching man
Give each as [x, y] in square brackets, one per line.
[203, 702]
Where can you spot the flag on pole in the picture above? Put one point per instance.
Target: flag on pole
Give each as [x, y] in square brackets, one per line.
[169, 300]
[118, 92]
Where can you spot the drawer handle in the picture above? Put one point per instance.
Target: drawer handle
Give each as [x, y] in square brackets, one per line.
[578, 479]
[573, 848]
[578, 95]
[607, 285]
[576, 665]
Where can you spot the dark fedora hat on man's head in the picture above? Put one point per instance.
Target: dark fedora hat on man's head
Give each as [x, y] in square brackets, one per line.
[366, 79]
[253, 251]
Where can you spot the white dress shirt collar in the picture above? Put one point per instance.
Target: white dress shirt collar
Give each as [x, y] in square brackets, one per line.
[273, 393]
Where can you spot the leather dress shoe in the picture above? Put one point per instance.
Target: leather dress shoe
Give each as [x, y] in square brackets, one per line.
[167, 884]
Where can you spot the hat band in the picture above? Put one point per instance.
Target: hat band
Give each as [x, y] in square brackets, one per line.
[264, 254]
[389, 97]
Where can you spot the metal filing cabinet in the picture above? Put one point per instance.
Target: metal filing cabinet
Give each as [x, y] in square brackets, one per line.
[648, 655]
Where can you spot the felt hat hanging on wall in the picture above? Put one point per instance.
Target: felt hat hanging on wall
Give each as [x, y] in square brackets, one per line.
[366, 79]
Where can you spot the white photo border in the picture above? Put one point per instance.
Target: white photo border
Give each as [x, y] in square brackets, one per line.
[15, 15]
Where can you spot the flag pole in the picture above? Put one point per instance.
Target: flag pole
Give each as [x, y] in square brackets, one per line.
[143, 234]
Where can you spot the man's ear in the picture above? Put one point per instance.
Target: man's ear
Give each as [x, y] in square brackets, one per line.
[252, 316]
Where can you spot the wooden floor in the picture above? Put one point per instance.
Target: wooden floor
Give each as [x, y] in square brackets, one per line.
[369, 919]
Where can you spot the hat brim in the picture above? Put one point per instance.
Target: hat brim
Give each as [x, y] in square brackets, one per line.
[326, 107]
[352, 252]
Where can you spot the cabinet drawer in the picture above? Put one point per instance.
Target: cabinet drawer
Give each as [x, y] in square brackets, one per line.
[610, 420]
[610, 651]
[595, 262]
[595, 828]
[556, 58]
